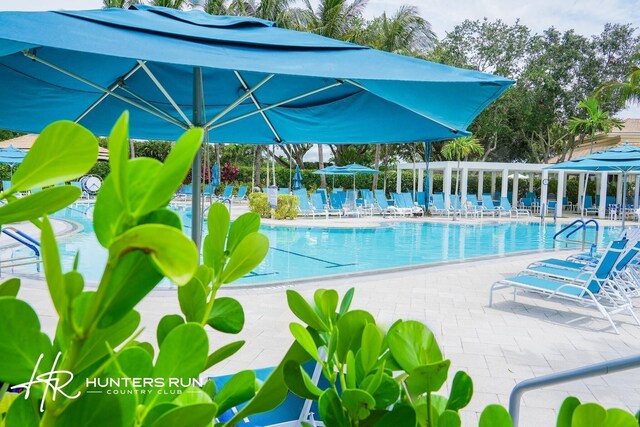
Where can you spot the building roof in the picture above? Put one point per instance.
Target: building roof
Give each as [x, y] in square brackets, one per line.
[25, 142]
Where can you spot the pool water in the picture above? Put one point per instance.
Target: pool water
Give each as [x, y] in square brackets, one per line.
[304, 252]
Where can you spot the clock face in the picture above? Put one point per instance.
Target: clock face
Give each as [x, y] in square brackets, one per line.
[92, 184]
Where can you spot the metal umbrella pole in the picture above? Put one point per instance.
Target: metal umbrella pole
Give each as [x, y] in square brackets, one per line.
[196, 169]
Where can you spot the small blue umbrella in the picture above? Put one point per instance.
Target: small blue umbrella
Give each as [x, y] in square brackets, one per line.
[297, 179]
[11, 156]
[215, 175]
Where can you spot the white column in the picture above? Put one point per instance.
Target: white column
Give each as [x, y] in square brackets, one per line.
[420, 180]
[480, 184]
[446, 183]
[505, 183]
[636, 192]
[531, 175]
[399, 180]
[602, 207]
[430, 183]
[493, 183]
[581, 186]
[619, 190]
[560, 193]
[464, 183]
[543, 190]
[514, 190]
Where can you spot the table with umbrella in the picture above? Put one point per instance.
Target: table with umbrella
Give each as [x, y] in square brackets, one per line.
[352, 169]
[624, 159]
[241, 79]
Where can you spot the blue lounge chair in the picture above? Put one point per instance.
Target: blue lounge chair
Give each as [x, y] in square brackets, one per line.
[587, 206]
[400, 204]
[437, 205]
[242, 193]
[183, 193]
[228, 192]
[487, 205]
[284, 191]
[598, 290]
[324, 195]
[505, 206]
[421, 200]
[383, 203]
[335, 201]
[472, 206]
[320, 208]
[349, 205]
[304, 208]
[369, 202]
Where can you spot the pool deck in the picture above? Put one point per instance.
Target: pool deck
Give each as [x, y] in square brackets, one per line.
[497, 346]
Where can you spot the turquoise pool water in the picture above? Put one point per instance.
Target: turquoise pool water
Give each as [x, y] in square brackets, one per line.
[304, 252]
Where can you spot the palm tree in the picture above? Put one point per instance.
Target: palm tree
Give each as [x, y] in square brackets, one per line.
[596, 120]
[406, 32]
[461, 148]
[173, 4]
[332, 18]
[628, 90]
[122, 4]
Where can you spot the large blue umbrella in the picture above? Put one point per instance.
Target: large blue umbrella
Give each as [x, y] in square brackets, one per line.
[352, 169]
[242, 78]
[625, 159]
[215, 175]
[297, 179]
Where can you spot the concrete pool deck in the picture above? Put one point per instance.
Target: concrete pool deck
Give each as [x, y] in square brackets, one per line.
[497, 346]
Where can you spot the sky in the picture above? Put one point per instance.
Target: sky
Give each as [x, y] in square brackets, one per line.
[586, 17]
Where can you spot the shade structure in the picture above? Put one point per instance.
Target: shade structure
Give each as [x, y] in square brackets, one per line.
[352, 169]
[625, 159]
[215, 175]
[297, 179]
[242, 79]
[11, 155]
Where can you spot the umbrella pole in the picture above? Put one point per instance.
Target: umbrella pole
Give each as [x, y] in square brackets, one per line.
[624, 198]
[196, 169]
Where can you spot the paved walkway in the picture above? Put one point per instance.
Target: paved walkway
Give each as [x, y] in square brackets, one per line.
[497, 346]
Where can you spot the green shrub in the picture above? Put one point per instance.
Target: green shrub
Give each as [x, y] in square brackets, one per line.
[287, 207]
[259, 204]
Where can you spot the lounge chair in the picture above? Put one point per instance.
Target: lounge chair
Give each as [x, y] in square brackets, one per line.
[400, 204]
[349, 205]
[228, 192]
[335, 202]
[324, 195]
[587, 206]
[421, 200]
[242, 193]
[436, 207]
[284, 191]
[488, 206]
[596, 290]
[506, 206]
[369, 202]
[383, 204]
[472, 207]
[304, 208]
[320, 208]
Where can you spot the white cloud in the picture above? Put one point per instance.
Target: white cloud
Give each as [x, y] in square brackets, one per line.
[50, 4]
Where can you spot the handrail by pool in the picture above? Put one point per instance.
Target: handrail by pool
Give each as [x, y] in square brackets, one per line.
[602, 368]
[27, 241]
[579, 224]
[584, 225]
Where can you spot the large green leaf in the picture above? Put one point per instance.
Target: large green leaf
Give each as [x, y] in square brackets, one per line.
[461, 391]
[495, 416]
[298, 381]
[23, 412]
[351, 326]
[193, 300]
[98, 410]
[412, 344]
[223, 353]
[196, 415]
[244, 225]
[183, 355]
[10, 287]
[52, 268]
[226, 316]
[248, 255]
[358, 403]
[162, 216]
[303, 311]
[387, 392]
[566, 411]
[239, 389]
[589, 415]
[303, 337]
[21, 342]
[620, 418]
[372, 339]
[214, 243]
[64, 151]
[166, 325]
[428, 378]
[327, 302]
[399, 416]
[176, 166]
[173, 253]
[346, 301]
[119, 156]
[38, 204]
[135, 362]
[133, 277]
[449, 419]
[331, 411]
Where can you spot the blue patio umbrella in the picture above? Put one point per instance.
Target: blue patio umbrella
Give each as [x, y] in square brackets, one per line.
[11, 156]
[625, 159]
[352, 169]
[297, 179]
[241, 78]
[215, 175]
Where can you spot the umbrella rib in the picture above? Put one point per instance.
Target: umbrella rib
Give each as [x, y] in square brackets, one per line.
[104, 96]
[163, 114]
[105, 90]
[234, 104]
[257, 104]
[277, 104]
[449, 128]
[164, 92]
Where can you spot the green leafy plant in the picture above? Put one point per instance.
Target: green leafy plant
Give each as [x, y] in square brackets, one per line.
[259, 204]
[573, 413]
[95, 339]
[287, 206]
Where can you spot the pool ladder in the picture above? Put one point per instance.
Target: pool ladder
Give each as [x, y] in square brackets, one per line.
[25, 240]
[572, 229]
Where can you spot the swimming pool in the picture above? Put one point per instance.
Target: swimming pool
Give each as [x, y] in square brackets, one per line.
[305, 252]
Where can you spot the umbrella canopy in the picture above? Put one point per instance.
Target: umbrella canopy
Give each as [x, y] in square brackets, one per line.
[215, 175]
[625, 159]
[352, 169]
[11, 155]
[240, 78]
[297, 179]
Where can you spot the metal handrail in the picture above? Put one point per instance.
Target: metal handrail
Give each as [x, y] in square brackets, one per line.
[581, 225]
[584, 225]
[603, 368]
[24, 239]
[577, 221]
